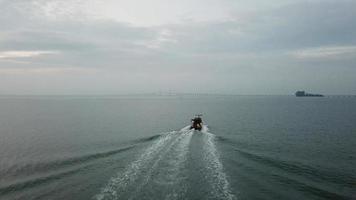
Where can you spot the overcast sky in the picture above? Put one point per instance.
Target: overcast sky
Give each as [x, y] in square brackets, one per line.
[190, 46]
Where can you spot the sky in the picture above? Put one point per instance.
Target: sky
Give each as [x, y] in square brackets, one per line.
[108, 47]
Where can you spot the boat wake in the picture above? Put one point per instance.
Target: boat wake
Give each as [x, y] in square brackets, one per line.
[217, 177]
[161, 171]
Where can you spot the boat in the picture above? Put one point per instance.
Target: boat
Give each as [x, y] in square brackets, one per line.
[197, 123]
[304, 94]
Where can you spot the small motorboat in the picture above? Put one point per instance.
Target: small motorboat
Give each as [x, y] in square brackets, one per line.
[197, 123]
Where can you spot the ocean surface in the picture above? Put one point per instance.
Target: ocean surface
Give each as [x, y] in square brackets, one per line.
[139, 147]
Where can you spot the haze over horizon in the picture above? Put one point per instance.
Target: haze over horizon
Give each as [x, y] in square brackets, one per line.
[191, 46]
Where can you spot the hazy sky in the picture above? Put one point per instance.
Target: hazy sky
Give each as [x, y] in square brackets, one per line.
[200, 46]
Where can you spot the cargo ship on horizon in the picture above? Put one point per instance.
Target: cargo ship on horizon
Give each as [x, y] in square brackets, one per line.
[305, 94]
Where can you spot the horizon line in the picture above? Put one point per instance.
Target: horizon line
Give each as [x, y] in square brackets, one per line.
[167, 94]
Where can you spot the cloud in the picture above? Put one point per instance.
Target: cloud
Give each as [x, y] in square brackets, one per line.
[290, 27]
[24, 54]
[44, 71]
[164, 37]
[328, 52]
[241, 48]
[134, 12]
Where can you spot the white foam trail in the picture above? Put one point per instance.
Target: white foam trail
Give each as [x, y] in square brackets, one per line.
[205, 129]
[121, 181]
[162, 154]
[177, 166]
[187, 128]
[218, 179]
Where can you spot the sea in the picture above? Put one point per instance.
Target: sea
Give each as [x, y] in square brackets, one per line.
[140, 147]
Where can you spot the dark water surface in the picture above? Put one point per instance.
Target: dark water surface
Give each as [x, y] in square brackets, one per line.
[254, 147]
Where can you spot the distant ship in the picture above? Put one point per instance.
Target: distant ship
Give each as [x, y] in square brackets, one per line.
[304, 94]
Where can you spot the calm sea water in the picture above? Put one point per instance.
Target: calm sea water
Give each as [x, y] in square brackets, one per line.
[254, 147]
